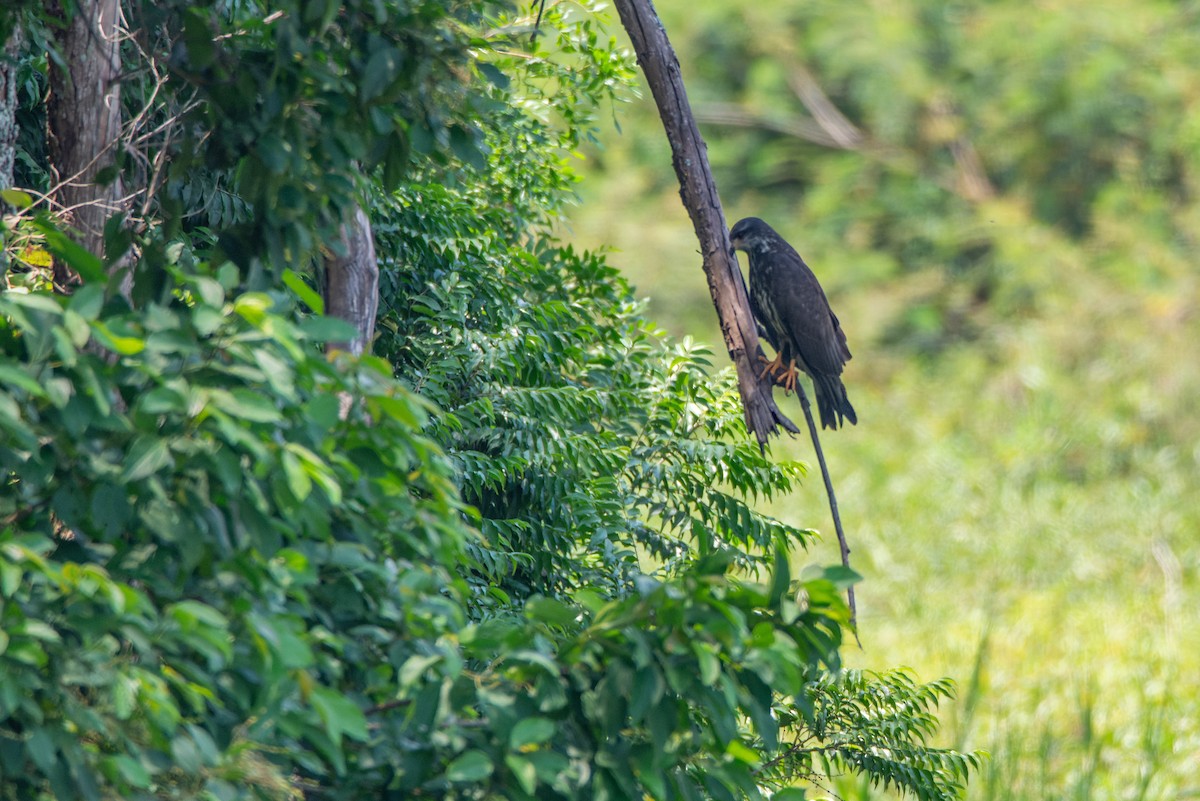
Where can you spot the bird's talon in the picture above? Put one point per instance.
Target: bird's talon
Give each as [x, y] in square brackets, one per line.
[789, 379]
[771, 366]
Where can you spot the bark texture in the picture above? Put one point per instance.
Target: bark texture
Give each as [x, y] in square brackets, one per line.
[699, 193]
[352, 283]
[8, 107]
[84, 121]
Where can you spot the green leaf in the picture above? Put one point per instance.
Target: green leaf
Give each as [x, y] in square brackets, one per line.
[162, 400]
[38, 631]
[340, 715]
[185, 755]
[648, 688]
[494, 75]
[710, 663]
[781, 576]
[524, 771]
[531, 732]
[198, 37]
[110, 509]
[121, 344]
[473, 766]
[37, 301]
[293, 281]
[87, 301]
[190, 613]
[10, 578]
[246, 405]
[743, 753]
[253, 306]
[293, 651]
[322, 410]
[146, 457]
[550, 765]
[380, 72]
[89, 266]
[318, 470]
[716, 563]
[42, 749]
[327, 329]
[208, 290]
[14, 376]
[549, 610]
[842, 577]
[414, 668]
[468, 147]
[274, 153]
[16, 198]
[396, 161]
[298, 480]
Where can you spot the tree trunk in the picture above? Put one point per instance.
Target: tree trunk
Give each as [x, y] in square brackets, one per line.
[352, 283]
[8, 107]
[84, 121]
[699, 193]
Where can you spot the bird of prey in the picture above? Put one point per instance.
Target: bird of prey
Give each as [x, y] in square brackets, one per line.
[794, 316]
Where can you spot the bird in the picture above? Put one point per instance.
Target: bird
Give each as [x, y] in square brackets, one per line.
[793, 314]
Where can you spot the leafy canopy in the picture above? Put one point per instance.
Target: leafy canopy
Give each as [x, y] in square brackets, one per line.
[514, 554]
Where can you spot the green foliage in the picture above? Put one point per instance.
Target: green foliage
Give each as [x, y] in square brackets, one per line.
[150, 493]
[512, 555]
[298, 103]
[579, 431]
[216, 582]
[266, 124]
[1020, 497]
[855, 720]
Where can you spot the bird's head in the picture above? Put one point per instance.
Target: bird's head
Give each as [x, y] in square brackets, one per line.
[751, 234]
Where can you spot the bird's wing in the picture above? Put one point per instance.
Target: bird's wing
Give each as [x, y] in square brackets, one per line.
[844, 346]
[815, 332]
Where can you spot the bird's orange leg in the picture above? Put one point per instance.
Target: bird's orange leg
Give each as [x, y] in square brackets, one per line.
[772, 367]
[785, 377]
[789, 378]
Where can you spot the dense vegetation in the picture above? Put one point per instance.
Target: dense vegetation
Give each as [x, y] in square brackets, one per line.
[515, 553]
[1008, 233]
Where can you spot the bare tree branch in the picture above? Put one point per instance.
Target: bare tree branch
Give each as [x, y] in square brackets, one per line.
[736, 116]
[699, 194]
[828, 116]
[829, 127]
[973, 183]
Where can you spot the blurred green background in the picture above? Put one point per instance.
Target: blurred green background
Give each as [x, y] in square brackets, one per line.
[1002, 200]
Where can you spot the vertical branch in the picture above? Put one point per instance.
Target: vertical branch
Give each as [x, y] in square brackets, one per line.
[843, 545]
[699, 194]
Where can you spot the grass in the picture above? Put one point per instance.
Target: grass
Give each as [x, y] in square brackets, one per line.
[1025, 509]
[1026, 522]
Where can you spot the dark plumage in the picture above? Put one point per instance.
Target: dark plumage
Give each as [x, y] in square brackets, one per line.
[795, 318]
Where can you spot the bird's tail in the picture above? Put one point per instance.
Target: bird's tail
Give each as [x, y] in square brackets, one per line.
[832, 402]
